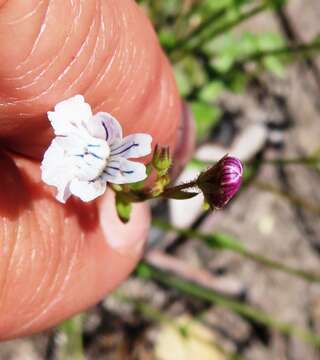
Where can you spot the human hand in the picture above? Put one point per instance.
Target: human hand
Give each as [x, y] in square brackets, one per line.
[56, 260]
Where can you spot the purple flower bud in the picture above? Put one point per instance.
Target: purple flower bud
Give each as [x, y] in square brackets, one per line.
[221, 182]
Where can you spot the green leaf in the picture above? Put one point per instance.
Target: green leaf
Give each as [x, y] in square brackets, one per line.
[124, 208]
[238, 82]
[248, 43]
[190, 74]
[206, 117]
[167, 38]
[211, 91]
[270, 41]
[274, 65]
[183, 81]
[223, 62]
[144, 271]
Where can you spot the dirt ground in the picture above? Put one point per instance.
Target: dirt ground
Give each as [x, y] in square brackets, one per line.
[264, 221]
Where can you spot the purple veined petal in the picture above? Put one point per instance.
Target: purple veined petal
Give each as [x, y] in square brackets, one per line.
[69, 115]
[122, 171]
[88, 190]
[133, 146]
[105, 126]
[72, 143]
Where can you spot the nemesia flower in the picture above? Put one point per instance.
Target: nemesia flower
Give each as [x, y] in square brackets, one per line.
[221, 182]
[89, 151]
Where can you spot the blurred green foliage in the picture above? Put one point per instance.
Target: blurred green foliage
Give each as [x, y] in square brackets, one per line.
[212, 54]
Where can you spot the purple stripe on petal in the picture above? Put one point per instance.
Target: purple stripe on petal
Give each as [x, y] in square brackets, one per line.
[106, 130]
[108, 173]
[93, 145]
[118, 169]
[123, 150]
[121, 146]
[95, 155]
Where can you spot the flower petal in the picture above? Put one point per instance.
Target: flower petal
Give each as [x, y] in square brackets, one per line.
[72, 143]
[132, 146]
[88, 190]
[123, 171]
[106, 127]
[89, 150]
[57, 171]
[70, 114]
[63, 193]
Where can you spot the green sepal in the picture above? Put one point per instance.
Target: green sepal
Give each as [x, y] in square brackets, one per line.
[161, 160]
[179, 194]
[137, 185]
[124, 207]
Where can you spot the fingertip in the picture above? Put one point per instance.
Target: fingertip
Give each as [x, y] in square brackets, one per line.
[125, 239]
[64, 258]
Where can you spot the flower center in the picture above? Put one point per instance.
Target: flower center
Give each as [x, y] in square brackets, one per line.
[92, 160]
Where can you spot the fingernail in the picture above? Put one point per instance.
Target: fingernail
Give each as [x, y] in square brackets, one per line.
[126, 239]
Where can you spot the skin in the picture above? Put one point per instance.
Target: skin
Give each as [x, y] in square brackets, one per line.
[57, 260]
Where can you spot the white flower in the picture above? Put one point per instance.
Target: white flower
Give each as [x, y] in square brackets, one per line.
[89, 151]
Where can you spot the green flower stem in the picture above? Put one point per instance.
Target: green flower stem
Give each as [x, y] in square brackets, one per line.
[147, 271]
[71, 346]
[142, 195]
[155, 315]
[223, 242]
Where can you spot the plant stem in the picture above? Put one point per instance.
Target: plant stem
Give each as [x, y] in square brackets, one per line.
[209, 35]
[183, 19]
[142, 195]
[155, 315]
[286, 50]
[276, 265]
[149, 272]
[223, 242]
[294, 199]
[71, 346]
[182, 43]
